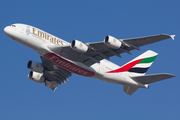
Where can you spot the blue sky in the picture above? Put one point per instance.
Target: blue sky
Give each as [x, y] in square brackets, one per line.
[82, 97]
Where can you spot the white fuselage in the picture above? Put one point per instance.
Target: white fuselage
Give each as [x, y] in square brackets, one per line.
[39, 40]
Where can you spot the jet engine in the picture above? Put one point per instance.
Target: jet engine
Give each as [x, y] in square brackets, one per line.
[35, 66]
[79, 46]
[112, 42]
[36, 77]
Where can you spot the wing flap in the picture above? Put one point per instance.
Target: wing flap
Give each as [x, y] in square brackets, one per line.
[146, 79]
[51, 84]
[54, 74]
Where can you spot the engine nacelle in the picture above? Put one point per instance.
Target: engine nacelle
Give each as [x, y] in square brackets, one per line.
[112, 42]
[35, 66]
[79, 46]
[36, 77]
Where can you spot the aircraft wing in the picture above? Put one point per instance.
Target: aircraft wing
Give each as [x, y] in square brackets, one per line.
[54, 74]
[98, 50]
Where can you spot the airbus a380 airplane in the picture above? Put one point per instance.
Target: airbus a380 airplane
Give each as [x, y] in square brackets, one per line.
[60, 59]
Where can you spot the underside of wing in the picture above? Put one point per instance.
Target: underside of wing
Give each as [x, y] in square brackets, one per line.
[54, 75]
[90, 53]
[141, 41]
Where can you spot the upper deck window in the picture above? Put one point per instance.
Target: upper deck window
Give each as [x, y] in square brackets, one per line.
[13, 25]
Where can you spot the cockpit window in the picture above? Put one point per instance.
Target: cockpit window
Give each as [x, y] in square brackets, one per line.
[13, 25]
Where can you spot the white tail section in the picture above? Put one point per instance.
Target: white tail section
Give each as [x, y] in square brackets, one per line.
[139, 65]
[142, 63]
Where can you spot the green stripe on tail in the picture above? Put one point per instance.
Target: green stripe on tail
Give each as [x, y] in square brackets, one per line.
[148, 60]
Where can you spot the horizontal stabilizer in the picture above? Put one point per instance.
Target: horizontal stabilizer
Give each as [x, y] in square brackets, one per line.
[146, 79]
[172, 36]
[129, 89]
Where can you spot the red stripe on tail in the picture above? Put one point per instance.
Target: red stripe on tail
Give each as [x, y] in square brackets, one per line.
[126, 67]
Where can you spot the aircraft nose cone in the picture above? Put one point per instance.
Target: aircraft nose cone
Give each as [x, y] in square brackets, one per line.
[7, 30]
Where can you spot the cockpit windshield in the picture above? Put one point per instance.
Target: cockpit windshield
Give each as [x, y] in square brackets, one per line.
[13, 25]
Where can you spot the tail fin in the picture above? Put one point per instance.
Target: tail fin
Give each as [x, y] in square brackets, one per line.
[139, 65]
[143, 62]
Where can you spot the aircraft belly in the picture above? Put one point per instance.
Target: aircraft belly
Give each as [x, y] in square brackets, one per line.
[113, 78]
[119, 78]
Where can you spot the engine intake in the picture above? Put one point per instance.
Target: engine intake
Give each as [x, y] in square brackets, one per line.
[36, 77]
[35, 66]
[112, 42]
[79, 46]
